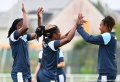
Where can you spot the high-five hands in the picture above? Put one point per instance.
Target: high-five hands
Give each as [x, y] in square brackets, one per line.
[40, 12]
[23, 8]
[80, 19]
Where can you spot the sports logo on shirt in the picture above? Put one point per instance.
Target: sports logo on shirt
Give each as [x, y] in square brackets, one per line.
[45, 45]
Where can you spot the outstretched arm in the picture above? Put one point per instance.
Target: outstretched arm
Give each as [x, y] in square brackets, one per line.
[71, 34]
[24, 28]
[100, 39]
[64, 36]
[39, 14]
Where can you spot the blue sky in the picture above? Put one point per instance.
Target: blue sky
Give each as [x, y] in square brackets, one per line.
[5, 5]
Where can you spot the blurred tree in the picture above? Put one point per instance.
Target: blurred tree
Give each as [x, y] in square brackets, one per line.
[79, 44]
[118, 30]
[99, 6]
[83, 57]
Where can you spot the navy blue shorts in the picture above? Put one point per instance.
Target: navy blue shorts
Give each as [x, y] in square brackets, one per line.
[61, 78]
[106, 78]
[43, 78]
[18, 77]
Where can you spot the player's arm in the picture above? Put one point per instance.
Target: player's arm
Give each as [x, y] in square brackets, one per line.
[69, 37]
[64, 36]
[61, 65]
[100, 39]
[71, 34]
[24, 28]
[36, 71]
[38, 66]
[39, 14]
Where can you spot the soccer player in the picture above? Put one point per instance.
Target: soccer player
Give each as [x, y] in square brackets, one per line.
[52, 40]
[107, 64]
[18, 40]
[61, 77]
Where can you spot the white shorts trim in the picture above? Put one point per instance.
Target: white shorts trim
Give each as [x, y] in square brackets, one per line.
[61, 78]
[103, 78]
[19, 77]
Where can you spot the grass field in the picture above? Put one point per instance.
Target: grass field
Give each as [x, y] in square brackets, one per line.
[69, 78]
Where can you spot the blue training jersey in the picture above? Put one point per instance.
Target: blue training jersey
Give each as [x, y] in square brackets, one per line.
[107, 50]
[61, 59]
[19, 46]
[50, 58]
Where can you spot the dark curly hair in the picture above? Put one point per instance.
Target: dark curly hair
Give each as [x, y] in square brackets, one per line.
[109, 22]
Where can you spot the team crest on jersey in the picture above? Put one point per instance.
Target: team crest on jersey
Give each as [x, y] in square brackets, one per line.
[45, 45]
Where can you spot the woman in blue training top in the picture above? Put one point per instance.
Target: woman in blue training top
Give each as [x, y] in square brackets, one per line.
[107, 64]
[52, 40]
[18, 40]
[61, 77]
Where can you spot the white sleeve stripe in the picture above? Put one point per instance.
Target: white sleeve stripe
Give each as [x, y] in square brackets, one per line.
[51, 45]
[12, 37]
[40, 54]
[106, 37]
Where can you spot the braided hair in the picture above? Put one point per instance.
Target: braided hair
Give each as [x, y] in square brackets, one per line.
[13, 27]
[109, 22]
[46, 31]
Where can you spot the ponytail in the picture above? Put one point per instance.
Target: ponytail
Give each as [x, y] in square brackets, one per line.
[46, 31]
[40, 31]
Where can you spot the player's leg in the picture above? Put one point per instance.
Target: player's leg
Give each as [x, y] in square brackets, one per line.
[17, 77]
[111, 78]
[106, 78]
[41, 77]
[14, 77]
[102, 78]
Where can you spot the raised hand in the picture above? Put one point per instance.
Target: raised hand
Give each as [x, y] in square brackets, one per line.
[80, 19]
[80, 16]
[40, 12]
[23, 8]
